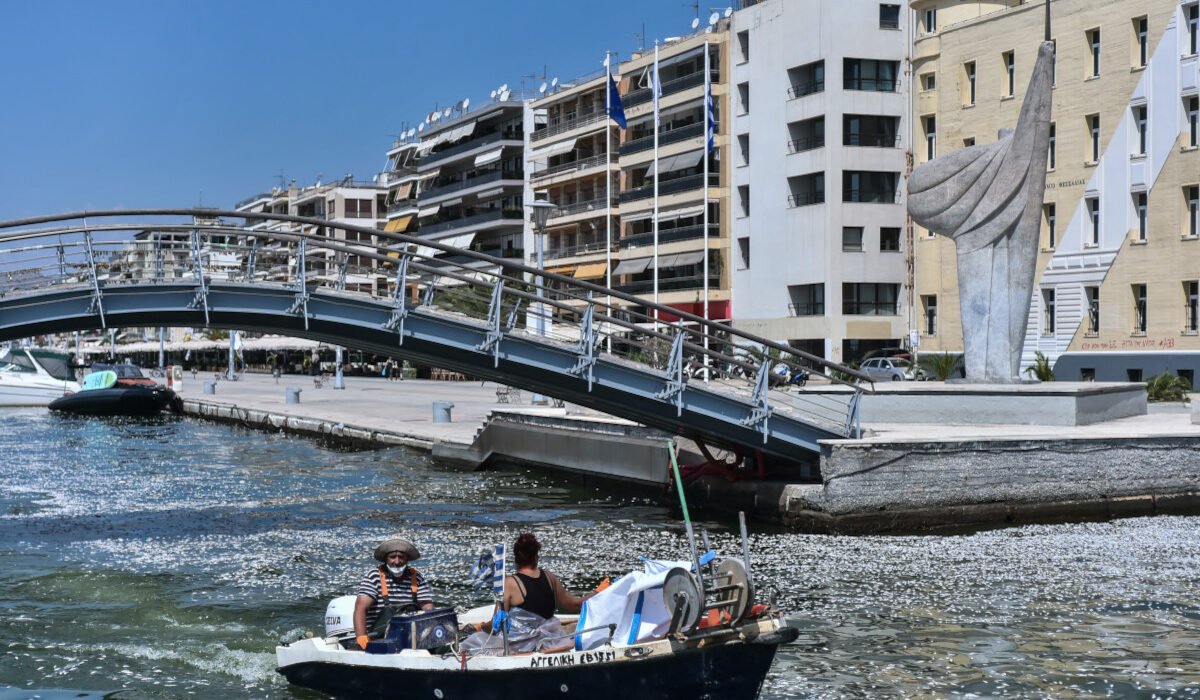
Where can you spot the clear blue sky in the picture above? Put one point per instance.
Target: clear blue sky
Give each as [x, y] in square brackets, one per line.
[149, 104]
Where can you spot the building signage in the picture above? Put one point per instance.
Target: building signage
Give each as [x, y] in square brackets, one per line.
[1164, 343]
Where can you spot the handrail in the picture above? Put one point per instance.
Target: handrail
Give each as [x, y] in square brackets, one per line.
[577, 122]
[572, 166]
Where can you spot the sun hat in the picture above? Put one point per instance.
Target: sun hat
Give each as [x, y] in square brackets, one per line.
[396, 544]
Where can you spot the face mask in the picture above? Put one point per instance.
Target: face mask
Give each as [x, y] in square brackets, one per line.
[397, 570]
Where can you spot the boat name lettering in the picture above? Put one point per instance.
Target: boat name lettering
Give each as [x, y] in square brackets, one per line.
[587, 657]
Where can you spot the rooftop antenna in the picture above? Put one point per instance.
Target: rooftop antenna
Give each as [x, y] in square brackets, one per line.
[641, 39]
[695, 5]
[282, 179]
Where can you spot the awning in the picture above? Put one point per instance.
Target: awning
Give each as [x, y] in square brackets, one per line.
[488, 194]
[679, 162]
[565, 270]
[591, 271]
[682, 259]
[638, 216]
[398, 225]
[681, 212]
[429, 210]
[490, 157]
[405, 190]
[431, 174]
[553, 149]
[461, 241]
[466, 129]
[632, 267]
[424, 251]
[452, 202]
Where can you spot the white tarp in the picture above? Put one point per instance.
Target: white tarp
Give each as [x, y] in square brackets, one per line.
[634, 603]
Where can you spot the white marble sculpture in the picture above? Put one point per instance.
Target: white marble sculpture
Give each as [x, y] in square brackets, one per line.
[988, 199]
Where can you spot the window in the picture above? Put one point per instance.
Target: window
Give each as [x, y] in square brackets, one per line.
[744, 251]
[1134, 375]
[744, 97]
[1087, 374]
[889, 239]
[969, 141]
[1051, 212]
[869, 186]
[930, 20]
[1047, 312]
[806, 135]
[1092, 294]
[806, 189]
[969, 90]
[930, 137]
[1139, 308]
[870, 299]
[1010, 73]
[1093, 41]
[744, 149]
[1189, 376]
[1193, 108]
[852, 237]
[1191, 306]
[744, 199]
[929, 312]
[1139, 206]
[806, 79]
[889, 16]
[1093, 210]
[929, 81]
[806, 299]
[743, 40]
[1193, 19]
[869, 74]
[1139, 123]
[1139, 42]
[1053, 62]
[1052, 156]
[869, 130]
[1191, 198]
[1093, 124]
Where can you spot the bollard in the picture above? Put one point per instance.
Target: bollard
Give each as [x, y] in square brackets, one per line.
[441, 411]
[293, 394]
[210, 387]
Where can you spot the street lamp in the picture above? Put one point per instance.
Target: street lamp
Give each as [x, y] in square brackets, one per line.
[539, 213]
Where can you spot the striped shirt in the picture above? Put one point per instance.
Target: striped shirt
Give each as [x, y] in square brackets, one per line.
[399, 591]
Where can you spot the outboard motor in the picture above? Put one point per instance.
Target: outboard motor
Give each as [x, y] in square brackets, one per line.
[339, 618]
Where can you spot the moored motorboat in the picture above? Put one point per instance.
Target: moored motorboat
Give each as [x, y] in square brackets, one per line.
[34, 376]
[118, 390]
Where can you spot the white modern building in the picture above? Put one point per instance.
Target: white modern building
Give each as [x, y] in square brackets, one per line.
[820, 102]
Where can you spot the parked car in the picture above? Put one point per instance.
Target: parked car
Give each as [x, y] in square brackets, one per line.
[891, 369]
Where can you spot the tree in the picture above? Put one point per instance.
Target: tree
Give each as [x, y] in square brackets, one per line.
[941, 366]
[1167, 387]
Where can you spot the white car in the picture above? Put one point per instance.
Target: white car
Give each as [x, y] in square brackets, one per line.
[891, 369]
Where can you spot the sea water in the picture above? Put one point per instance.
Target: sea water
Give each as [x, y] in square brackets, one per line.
[166, 558]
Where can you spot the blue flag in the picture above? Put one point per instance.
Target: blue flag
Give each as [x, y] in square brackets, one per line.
[616, 111]
[711, 117]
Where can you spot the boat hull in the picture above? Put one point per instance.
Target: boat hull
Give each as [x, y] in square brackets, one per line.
[731, 670]
[26, 394]
[117, 401]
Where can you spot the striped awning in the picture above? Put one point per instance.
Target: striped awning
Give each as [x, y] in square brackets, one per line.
[591, 270]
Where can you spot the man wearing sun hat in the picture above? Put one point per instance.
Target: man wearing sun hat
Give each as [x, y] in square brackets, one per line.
[394, 583]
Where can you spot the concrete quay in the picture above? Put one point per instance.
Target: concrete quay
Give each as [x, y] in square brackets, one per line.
[900, 477]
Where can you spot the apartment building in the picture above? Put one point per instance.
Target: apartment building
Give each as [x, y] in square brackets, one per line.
[819, 163]
[571, 155]
[471, 180]
[683, 194]
[1117, 267]
[400, 178]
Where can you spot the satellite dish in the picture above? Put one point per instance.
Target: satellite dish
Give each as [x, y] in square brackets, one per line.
[542, 88]
[728, 11]
[446, 113]
[504, 87]
[466, 102]
[494, 93]
[505, 95]
[708, 29]
[421, 126]
[695, 23]
[712, 19]
[554, 83]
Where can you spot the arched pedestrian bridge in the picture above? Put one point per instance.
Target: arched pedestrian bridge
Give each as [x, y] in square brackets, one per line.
[488, 317]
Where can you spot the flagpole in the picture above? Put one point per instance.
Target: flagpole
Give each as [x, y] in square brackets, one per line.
[608, 187]
[704, 187]
[657, 177]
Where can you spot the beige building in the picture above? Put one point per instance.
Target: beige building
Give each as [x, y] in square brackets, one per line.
[1119, 260]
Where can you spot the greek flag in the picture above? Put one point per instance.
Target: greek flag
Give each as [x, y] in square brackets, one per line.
[616, 110]
[489, 569]
[656, 85]
[708, 105]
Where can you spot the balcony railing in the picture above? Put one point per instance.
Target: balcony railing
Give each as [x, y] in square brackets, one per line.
[467, 146]
[682, 184]
[255, 198]
[803, 199]
[807, 309]
[565, 210]
[572, 251]
[644, 95]
[670, 235]
[666, 137]
[798, 90]
[485, 217]
[870, 308]
[870, 84]
[472, 182]
[670, 284]
[805, 144]
[872, 140]
[563, 168]
[575, 122]
[402, 172]
[401, 205]
[871, 196]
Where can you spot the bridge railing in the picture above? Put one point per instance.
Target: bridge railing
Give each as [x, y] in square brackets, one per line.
[597, 323]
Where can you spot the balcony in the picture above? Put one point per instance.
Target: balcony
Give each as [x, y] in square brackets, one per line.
[485, 217]
[871, 84]
[872, 140]
[572, 251]
[670, 235]
[563, 168]
[644, 95]
[682, 184]
[401, 205]
[806, 144]
[806, 309]
[664, 138]
[670, 284]
[401, 173]
[451, 261]
[468, 146]
[565, 210]
[884, 196]
[870, 308]
[803, 199]
[579, 120]
[803, 89]
[492, 176]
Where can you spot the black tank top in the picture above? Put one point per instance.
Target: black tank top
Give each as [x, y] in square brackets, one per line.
[539, 596]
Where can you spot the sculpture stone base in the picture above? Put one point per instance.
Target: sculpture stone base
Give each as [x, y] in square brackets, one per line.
[1048, 403]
